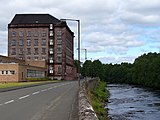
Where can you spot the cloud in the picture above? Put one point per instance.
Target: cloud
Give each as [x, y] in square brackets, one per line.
[120, 43]
[3, 43]
[114, 27]
[118, 59]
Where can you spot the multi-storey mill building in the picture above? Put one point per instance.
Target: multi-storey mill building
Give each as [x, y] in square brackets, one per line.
[44, 41]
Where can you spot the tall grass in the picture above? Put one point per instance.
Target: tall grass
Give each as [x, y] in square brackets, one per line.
[98, 98]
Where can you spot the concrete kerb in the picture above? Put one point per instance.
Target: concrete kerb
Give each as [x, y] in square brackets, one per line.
[25, 86]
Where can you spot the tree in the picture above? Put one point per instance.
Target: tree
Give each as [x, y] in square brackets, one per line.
[77, 65]
[97, 68]
[87, 68]
[144, 71]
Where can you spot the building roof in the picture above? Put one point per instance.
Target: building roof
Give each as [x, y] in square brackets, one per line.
[34, 18]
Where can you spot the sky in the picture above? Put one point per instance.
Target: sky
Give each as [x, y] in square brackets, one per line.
[113, 31]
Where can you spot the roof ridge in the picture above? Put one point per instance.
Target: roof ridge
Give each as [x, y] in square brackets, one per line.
[31, 18]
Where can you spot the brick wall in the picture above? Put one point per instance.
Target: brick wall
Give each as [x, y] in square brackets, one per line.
[9, 77]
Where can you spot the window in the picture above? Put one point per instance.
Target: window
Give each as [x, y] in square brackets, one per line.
[51, 60]
[43, 50]
[51, 50]
[28, 58]
[36, 42]
[13, 33]
[36, 51]
[20, 51]
[28, 33]
[13, 42]
[35, 33]
[12, 72]
[43, 58]
[59, 49]
[59, 37]
[43, 42]
[51, 71]
[35, 58]
[35, 73]
[51, 33]
[28, 42]
[44, 33]
[59, 58]
[7, 72]
[21, 58]
[59, 41]
[20, 33]
[20, 42]
[51, 42]
[13, 52]
[28, 51]
[59, 33]
[59, 69]
[51, 26]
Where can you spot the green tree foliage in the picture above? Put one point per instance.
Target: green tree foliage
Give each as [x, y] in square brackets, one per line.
[97, 68]
[87, 68]
[144, 71]
[77, 64]
[92, 69]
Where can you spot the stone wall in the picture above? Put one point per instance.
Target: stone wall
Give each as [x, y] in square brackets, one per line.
[86, 111]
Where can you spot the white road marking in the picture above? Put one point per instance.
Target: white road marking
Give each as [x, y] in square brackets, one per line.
[35, 93]
[9, 102]
[24, 97]
[50, 88]
[44, 90]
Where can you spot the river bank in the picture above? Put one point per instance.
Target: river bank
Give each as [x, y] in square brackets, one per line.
[92, 99]
[98, 97]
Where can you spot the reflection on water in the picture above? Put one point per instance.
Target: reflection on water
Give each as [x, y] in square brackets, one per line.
[133, 103]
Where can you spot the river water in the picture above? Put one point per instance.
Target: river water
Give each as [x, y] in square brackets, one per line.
[133, 103]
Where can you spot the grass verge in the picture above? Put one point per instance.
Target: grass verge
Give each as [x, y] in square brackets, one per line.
[98, 98]
[7, 85]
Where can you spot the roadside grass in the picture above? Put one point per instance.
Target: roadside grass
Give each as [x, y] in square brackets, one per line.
[7, 85]
[98, 98]
[38, 79]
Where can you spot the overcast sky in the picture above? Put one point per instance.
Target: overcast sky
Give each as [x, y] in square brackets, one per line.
[112, 31]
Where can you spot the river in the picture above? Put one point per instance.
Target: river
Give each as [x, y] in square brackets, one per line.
[133, 103]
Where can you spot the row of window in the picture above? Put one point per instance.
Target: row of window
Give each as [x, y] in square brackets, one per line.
[35, 73]
[35, 58]
[7, 72]
[59, 69]
[28, 42]
[36, 51]
[58, 58]
[28, 33]
[29, 51]
[36, 42]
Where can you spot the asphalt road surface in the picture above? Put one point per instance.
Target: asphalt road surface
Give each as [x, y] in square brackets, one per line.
[57, 101]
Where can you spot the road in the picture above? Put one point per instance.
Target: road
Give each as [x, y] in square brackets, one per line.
[57, 101]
